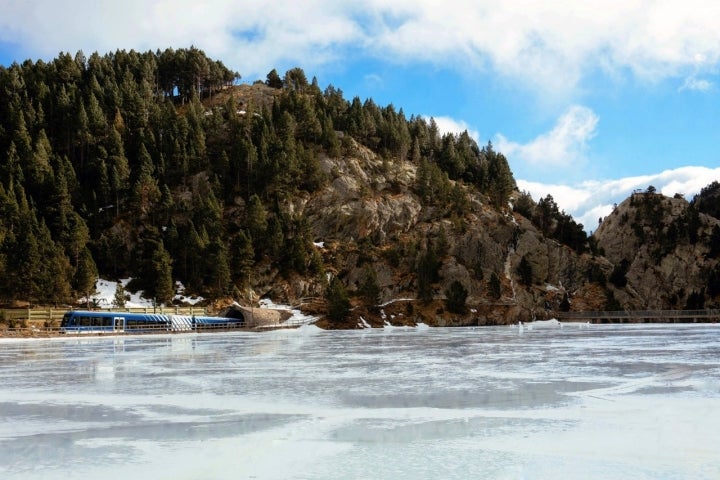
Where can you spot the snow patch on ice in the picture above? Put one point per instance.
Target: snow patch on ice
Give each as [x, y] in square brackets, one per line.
[552, 323]
[309, 329]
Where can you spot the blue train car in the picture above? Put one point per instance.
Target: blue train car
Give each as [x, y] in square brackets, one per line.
[180, 323]
[82, 321]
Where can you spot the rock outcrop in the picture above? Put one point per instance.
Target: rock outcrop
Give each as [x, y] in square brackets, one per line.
[369, 218]
[665, 245]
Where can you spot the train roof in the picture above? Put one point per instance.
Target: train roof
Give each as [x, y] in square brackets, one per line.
[100, 313]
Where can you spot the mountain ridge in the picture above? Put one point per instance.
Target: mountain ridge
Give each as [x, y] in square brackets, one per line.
[157, 166]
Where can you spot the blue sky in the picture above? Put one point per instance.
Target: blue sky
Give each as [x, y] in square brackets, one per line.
[588, 100]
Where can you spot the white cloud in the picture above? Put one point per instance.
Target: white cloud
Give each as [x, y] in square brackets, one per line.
[551, 46]
[562, 146]
[373, 80]
[589, 201]
[451, 125]
[547, 46]
[697, 84]
[249, 36]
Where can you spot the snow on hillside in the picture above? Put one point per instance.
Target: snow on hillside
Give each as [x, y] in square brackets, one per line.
[105, 294]
[296, 318]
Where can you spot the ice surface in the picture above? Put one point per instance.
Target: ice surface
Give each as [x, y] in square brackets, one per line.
[630, 401]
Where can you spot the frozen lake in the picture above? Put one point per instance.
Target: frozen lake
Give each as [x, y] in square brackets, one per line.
[630, 402]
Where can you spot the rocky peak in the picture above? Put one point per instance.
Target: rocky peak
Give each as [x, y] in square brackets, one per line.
[660, 248]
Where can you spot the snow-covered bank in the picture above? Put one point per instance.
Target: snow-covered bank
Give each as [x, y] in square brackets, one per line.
[104, 296]
[296, 316]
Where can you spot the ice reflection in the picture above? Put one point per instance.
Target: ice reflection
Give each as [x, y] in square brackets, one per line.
[601, 402]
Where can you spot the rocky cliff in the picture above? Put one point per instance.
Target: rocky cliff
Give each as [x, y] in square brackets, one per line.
[369, 218]
[663, 252]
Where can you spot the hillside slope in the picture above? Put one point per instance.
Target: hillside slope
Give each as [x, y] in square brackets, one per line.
[160, 167]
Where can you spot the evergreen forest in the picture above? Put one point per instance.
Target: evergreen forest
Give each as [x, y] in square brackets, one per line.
[142, 165]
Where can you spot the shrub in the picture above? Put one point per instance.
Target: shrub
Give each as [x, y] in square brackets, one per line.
[456, 296]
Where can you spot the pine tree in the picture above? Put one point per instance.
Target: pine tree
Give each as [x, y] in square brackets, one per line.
[274, 241]
[118, 167]
[714, 243]
[524, 270]
[146, 192]
[242, 258]
[295, 79]
[313, 176]
[24, 260]
[54, 278]
[194, 253]
[441, 244]
[163, 287]
[422, 181]
[315, 263]
[219, 274]
[119, 297]
[456, 296]
[427, 273]
[257, 222]
[329, 139]
[97, 123]
[273, 79]
[500, 182]
[618, 275]
[448, 158]
[369, 289]
[495, 287]
[86, 274]
[338, 303]
[11, 169]
[22, 140]
[298, 254]
[38, 171]
[81, 137]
